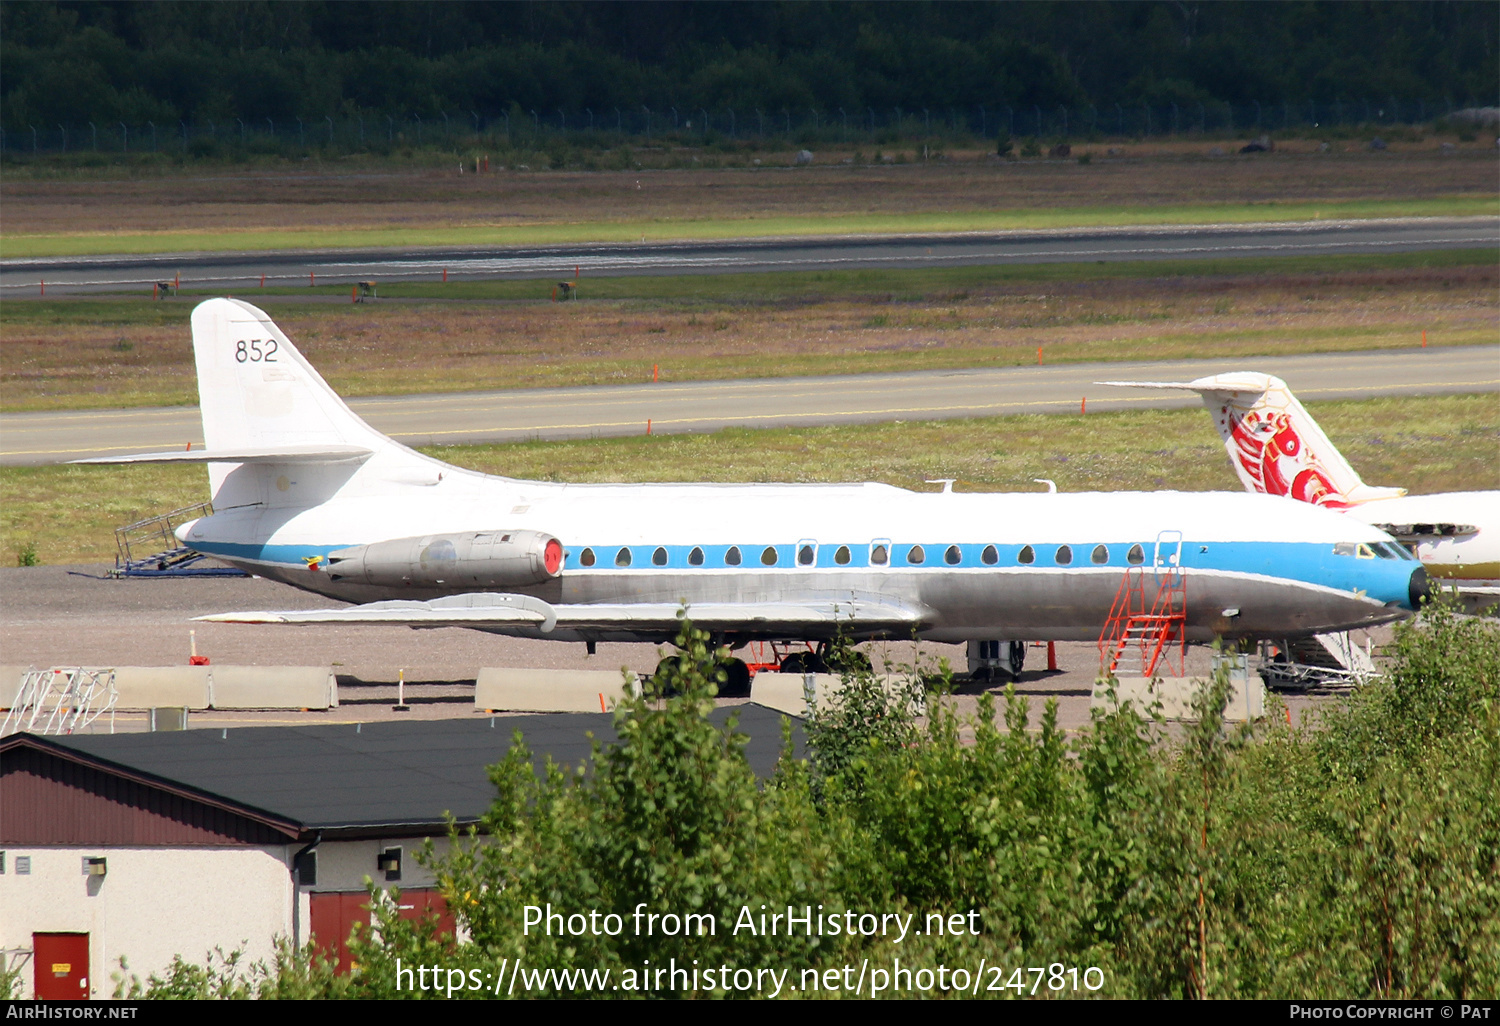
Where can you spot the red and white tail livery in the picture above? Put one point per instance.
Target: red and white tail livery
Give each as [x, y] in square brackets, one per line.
[1278, 449]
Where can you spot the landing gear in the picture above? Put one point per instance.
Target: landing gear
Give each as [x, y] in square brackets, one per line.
[987, 659]
[804, 662]
[736, 680]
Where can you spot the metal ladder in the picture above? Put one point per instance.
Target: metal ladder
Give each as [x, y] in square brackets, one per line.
[61, 700]
[1137, 639]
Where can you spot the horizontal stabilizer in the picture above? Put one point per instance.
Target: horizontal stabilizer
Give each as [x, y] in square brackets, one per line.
[480, 610]
[1149, 384]
[263, 454]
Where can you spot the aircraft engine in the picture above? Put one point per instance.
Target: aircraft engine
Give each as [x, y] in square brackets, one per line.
[471, 559]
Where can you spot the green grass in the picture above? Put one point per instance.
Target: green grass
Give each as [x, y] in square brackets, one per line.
[96, 243]
[905, 284]
[67, 514]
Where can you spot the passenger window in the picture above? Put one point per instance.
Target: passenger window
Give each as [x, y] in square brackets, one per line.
[805, 555]
[879, 554]
[915, 556]
[659, 557]
[1136, 556]
[1026, 555]
[953, 556]
[768, 555]
[695, 558]
[622, 558]
[990, 556]
[732, 557]
[1101, 554]
[841, 557]
[586, 557]
[1064, 555]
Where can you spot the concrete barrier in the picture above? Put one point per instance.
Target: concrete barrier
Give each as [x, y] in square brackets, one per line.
[787, 692]
[1247, 697]
[10, 683]
[521, 690]
[150, 687]
[271, 687]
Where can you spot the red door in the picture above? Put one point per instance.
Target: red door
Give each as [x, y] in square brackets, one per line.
[419, 903]
[334, 914]
[61, 962]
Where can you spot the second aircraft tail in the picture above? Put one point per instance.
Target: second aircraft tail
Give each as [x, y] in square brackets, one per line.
[1275, 445]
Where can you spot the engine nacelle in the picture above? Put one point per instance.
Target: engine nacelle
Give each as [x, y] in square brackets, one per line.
[470, 559]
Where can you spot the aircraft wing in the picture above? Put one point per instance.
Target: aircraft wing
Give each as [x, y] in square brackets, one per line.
[495, 610]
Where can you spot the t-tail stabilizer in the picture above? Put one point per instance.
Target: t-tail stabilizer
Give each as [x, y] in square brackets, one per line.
[1275, 445]
[270, 421]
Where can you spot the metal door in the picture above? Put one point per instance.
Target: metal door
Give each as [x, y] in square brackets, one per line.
[61, 965]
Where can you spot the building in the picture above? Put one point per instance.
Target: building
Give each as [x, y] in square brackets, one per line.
[143, 847]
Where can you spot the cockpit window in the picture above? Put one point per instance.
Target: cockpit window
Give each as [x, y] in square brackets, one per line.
[1385, 551]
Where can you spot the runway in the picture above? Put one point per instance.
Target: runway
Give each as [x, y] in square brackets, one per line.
[561, 413]
[76, 275]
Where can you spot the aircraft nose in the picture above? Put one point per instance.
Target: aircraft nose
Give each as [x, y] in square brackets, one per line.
[1420, 588]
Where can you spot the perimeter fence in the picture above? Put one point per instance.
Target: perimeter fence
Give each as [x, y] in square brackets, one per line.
[729, 128]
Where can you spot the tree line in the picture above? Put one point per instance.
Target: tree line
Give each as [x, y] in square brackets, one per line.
[71, 63]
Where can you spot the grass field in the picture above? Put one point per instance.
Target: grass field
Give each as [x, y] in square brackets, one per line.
[334, 206]
[95, 353]
[67, 514]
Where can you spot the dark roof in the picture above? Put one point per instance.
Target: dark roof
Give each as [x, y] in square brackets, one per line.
[376, 778]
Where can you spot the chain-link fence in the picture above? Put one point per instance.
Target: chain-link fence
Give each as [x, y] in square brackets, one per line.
[689, 125]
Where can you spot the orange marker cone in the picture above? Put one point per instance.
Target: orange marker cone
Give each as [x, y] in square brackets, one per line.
[648, 425]
[1083, 405]
[1424, 338]
[1038, 356]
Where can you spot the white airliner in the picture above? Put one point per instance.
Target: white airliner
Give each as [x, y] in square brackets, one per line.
[306, 493]
[1278, 449]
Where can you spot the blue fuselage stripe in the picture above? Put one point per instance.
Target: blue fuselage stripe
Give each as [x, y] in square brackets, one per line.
[1386, 580]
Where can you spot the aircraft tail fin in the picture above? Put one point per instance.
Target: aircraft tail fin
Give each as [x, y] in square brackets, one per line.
[1274, 444]
[263, 404]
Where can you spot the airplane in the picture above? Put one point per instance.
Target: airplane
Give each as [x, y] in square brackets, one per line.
[306, 493]
[1278, 449]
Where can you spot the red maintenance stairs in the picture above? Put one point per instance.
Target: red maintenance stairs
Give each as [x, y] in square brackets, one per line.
[1138, 638]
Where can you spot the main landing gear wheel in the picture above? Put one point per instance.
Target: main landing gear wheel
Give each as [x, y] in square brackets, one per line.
[736, 680]
[804, 662]
[1017, 658]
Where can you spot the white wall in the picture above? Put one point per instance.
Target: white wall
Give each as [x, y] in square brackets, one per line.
[344, 865]
[152, 903]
